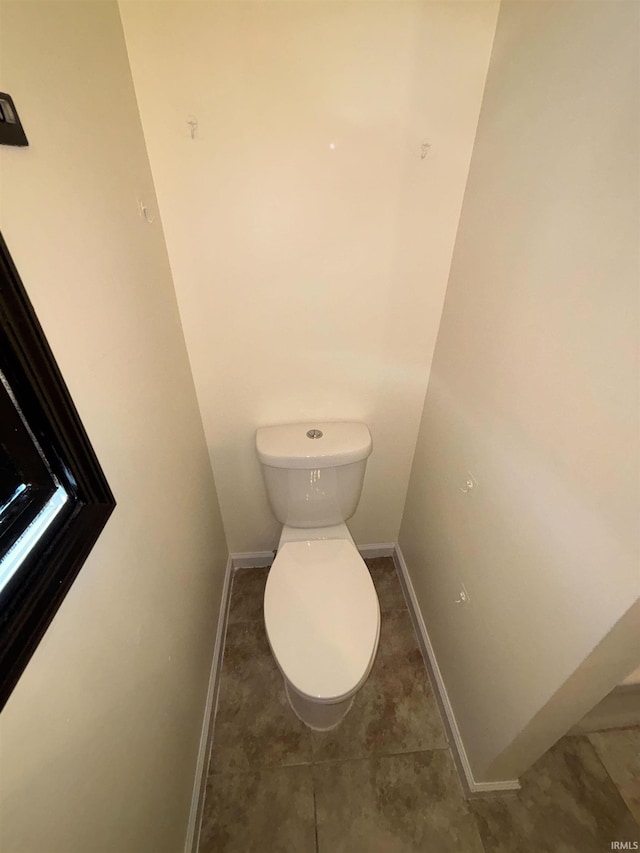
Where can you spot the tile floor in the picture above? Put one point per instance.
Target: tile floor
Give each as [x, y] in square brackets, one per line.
[384, 781]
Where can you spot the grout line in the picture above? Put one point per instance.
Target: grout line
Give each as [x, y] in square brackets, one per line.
[256, 768]
[606, 768]
[315, 812]
[377, 755]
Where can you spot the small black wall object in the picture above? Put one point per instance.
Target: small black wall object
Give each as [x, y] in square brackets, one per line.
[11, 130]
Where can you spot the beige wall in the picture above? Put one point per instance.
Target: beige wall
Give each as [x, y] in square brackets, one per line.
[99, 739]
[534, 389]
[310, 278]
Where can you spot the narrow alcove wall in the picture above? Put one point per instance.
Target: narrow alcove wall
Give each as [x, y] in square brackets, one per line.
[534, 390]
[98, 740]
[310, 161]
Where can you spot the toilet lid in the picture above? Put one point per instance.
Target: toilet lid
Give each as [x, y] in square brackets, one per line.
[322, 616]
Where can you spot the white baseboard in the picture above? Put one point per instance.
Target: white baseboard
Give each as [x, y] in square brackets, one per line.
[379, 549]
[473, 787]
[251, 559]
[206, 735]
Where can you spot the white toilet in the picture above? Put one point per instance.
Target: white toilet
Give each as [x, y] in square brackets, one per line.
[320, 606]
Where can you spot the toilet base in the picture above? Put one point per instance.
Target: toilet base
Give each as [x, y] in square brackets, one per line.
[318, 716]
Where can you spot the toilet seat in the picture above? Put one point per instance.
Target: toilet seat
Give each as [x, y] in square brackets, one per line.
[322, 617]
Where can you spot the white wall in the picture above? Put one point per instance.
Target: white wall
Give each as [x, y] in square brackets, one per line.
[534, 389]
[309, 242]
[99, 739]
[632, 678]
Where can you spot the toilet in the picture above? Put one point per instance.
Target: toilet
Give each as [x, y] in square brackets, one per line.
[321, 610]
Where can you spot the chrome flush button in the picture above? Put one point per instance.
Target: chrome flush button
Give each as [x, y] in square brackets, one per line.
[314, 433]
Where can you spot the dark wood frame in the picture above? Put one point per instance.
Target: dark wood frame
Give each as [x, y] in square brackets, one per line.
[32, 596]
[11, 130]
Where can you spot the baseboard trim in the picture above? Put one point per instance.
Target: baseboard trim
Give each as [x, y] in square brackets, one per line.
[472, 787]
[206, 735]
[251, 559]
[378, 549]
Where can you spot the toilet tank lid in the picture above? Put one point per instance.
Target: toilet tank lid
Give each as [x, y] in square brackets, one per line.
[289, 446]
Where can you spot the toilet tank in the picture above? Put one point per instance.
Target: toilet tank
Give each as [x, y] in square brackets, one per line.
[314, 471]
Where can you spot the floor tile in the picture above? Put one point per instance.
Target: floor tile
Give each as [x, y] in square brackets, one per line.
[255, 726]
[397, 636]
[619, 751]
[394, 804]
[246, 666]
[247, 595]
[395, 711]
[568, 804]
[267, 810]
[384, 779]
[385, 580]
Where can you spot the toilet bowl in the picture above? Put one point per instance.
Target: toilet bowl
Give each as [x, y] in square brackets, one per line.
[321, 610]
[323, 624]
